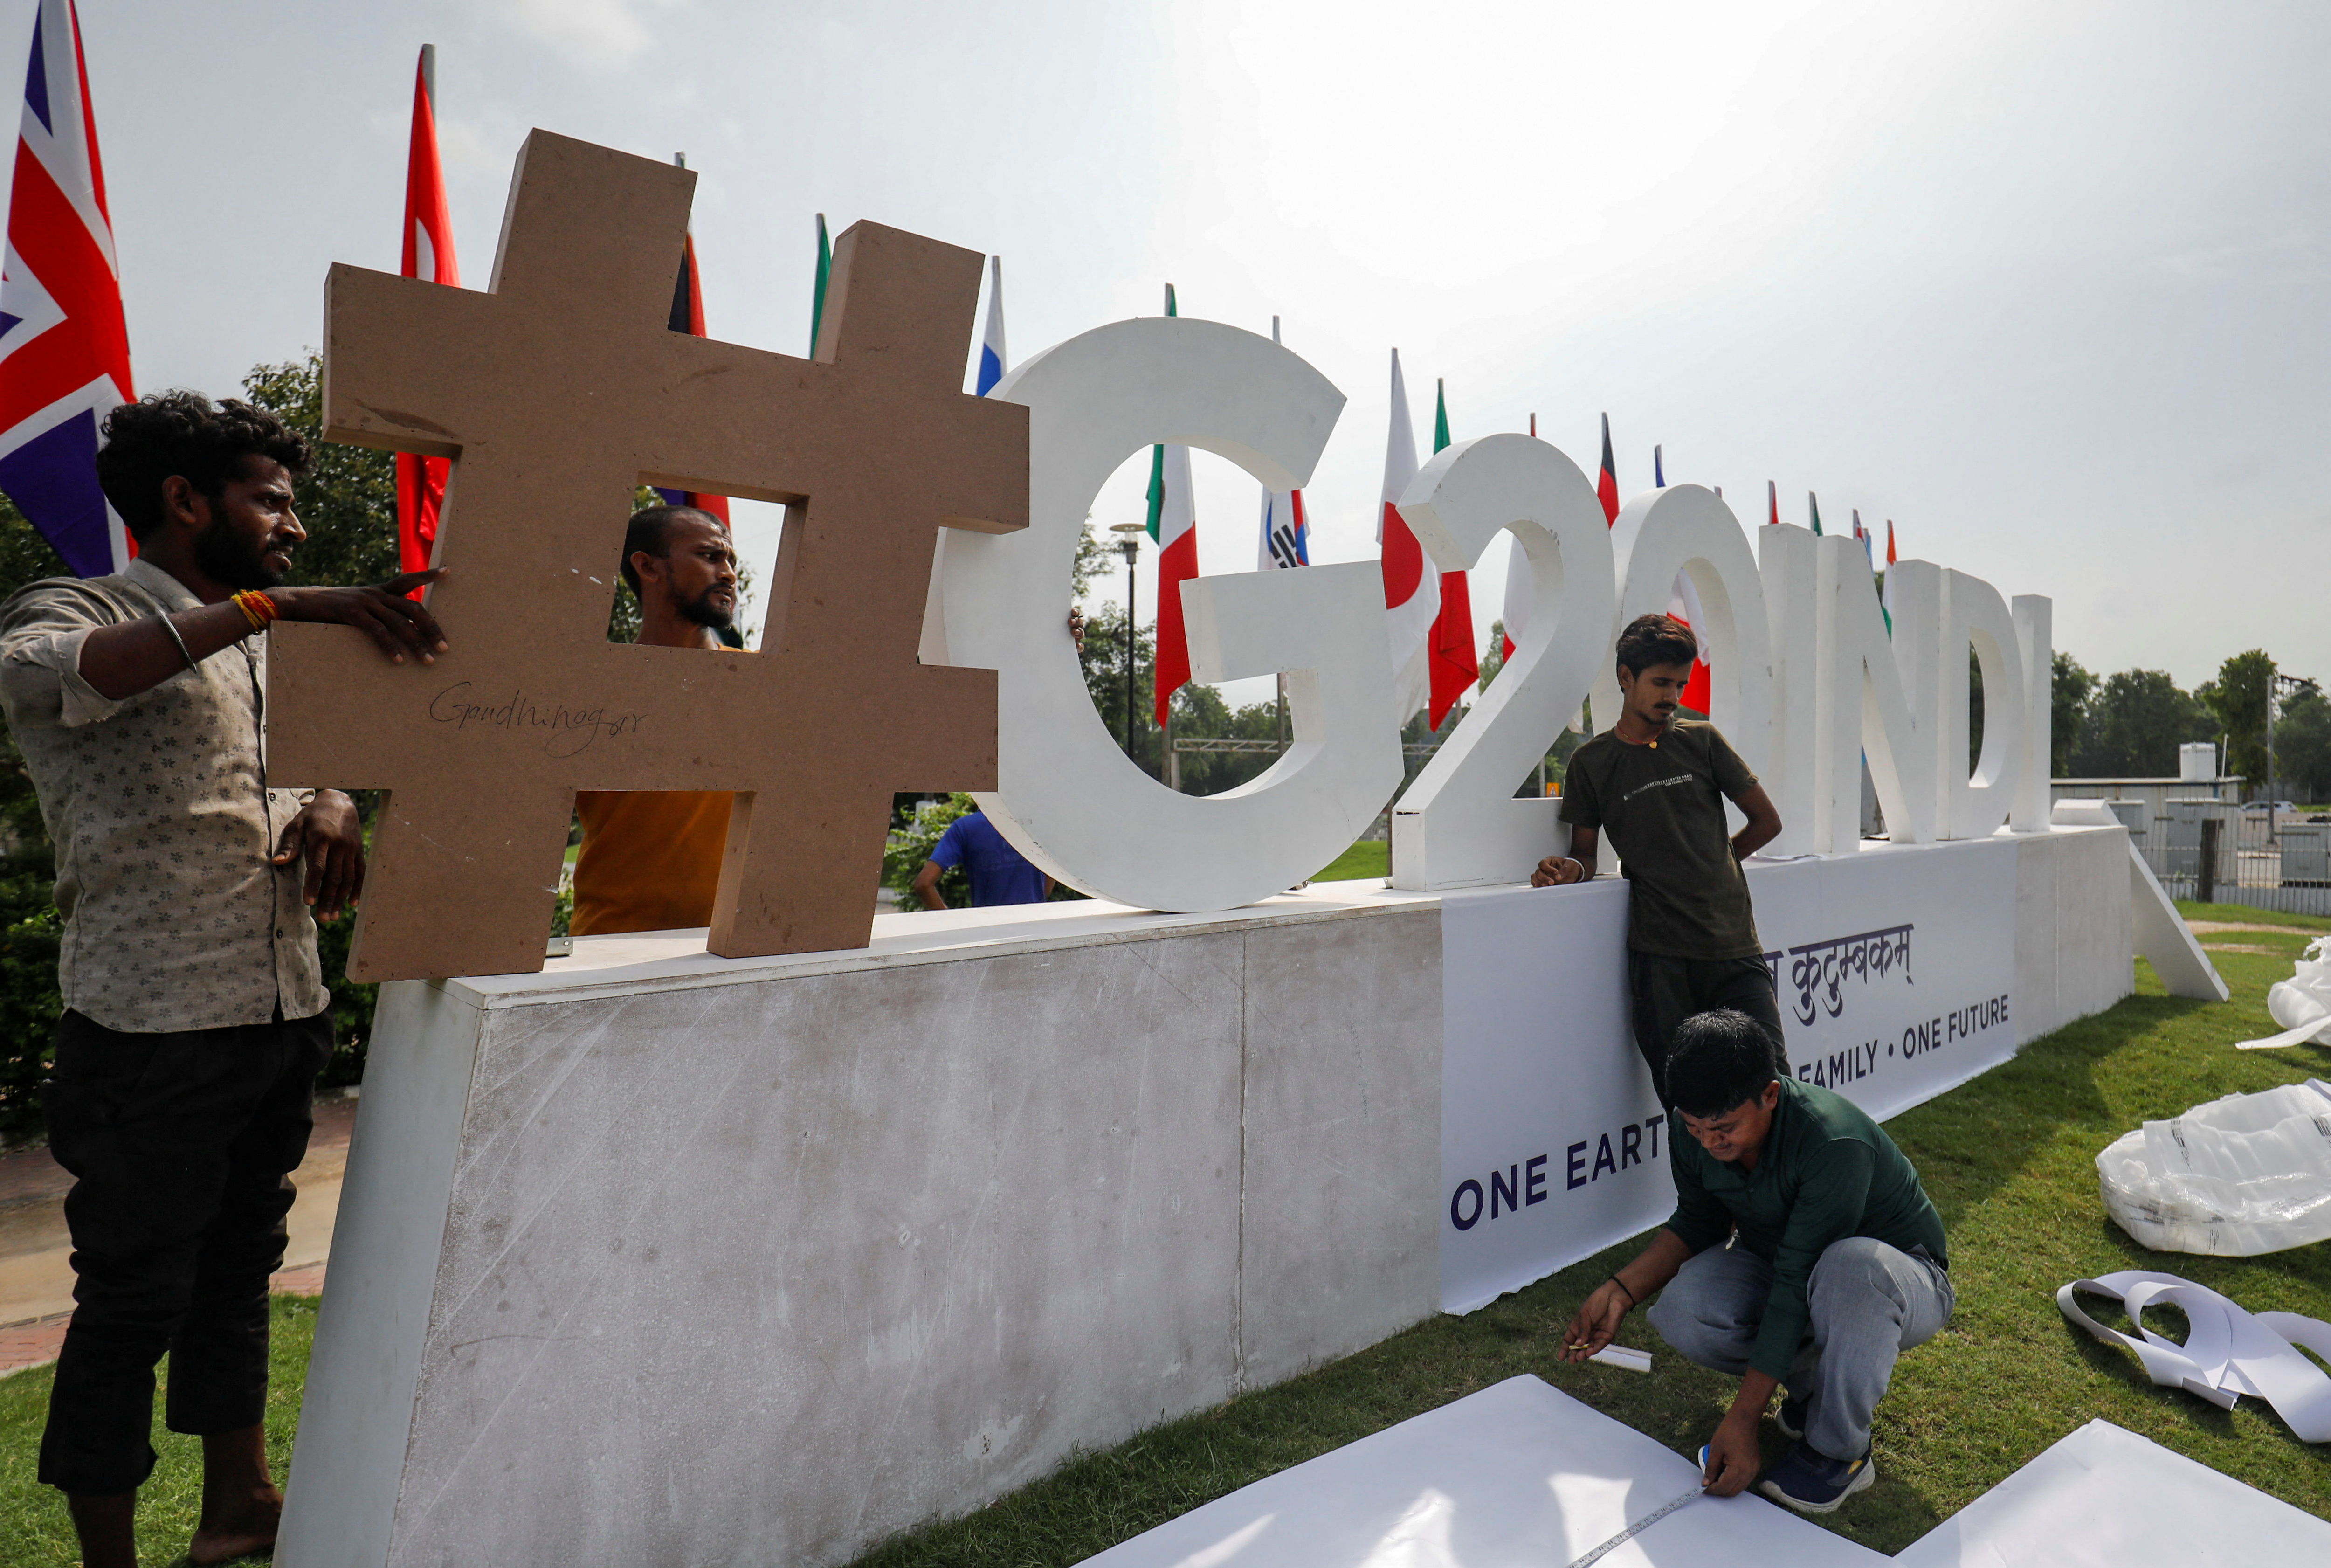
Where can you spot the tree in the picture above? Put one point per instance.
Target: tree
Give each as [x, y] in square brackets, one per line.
[1493, 657]
[347, 500]
[1103, 659]
[2070, 688]
[30, 930]
[1092, 561]
[2302, 744]
[2136, 720]
[2238, 699]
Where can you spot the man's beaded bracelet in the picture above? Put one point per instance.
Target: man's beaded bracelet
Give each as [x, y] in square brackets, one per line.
[257, 608]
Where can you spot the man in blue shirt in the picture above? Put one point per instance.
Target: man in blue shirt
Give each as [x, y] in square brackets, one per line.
[999, 873]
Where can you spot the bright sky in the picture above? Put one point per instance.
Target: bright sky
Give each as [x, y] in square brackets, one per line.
[2043, 284]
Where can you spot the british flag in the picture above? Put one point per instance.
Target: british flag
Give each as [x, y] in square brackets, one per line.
[64, 351]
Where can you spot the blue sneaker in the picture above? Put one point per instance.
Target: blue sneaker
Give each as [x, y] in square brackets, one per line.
[1791, 1419]
[1813, 1483]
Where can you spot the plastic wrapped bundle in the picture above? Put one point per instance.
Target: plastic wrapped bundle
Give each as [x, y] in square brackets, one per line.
[2241, 1175]
[2302, 1003]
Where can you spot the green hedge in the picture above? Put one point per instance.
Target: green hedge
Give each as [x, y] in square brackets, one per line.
[30, 928]
[29, 1003]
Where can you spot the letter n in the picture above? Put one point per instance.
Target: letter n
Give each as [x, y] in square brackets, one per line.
[1506, 1189]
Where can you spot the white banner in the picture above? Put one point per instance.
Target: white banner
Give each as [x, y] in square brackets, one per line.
[1895, 968]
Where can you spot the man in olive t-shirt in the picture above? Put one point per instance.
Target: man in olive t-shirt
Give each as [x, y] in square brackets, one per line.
[1658, 786]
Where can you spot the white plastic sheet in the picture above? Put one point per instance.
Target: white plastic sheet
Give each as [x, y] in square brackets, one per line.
[2104, 1497]
[2238, 1176]
[1521, 1476]
[2302, 1003]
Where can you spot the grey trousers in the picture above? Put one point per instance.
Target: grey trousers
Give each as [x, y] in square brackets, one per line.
[1869, 1303]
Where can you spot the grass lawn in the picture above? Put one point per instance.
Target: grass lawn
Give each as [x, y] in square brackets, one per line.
[33, 1528]
[2009, 1158]
[1366, 858]
[2243, 915]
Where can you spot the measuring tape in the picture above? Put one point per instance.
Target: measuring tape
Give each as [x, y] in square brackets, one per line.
[1637, 1528]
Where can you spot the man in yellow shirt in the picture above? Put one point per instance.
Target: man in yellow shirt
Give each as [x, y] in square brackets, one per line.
[651, 859]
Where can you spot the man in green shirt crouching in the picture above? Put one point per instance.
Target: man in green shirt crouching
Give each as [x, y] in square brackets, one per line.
[1839, 1265]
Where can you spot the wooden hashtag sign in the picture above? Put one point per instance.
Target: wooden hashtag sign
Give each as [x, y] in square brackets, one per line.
[556, 393]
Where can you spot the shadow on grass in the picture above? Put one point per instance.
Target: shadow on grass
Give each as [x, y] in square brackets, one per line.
[1974, 1140]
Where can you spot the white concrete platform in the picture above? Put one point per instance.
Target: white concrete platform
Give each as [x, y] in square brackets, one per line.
[657, 1257]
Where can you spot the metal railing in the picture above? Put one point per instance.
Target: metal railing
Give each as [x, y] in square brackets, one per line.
[2218, 851]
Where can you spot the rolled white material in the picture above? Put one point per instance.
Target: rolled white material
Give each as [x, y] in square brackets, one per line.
[2302, 1003]
[1619, 1355]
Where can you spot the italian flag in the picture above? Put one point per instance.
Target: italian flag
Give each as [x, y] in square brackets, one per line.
[817, 285]
[1174, 524]
[1455, 667]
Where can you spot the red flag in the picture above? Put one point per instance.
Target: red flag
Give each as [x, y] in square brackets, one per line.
[1449, 661]
[1455, 666]
[687, 315]
[428, 254]
[1606, 483]
[1773, 498]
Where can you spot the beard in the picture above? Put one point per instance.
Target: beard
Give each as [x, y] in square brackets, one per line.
[230, 556]
[702, 612]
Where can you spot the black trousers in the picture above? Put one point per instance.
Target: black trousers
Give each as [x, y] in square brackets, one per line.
[182, 1144]
[1666, 990]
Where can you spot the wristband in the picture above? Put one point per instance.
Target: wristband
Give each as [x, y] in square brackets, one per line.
[257, 608]
[1624, 1290]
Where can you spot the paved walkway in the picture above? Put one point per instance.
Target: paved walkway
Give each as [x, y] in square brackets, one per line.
[35, 1268]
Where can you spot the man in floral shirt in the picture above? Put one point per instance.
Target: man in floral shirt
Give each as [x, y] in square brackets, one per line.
[195, 1014]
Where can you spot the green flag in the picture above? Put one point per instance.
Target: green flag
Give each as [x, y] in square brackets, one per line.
[1157, 455]
[1812, 506]
[1440, 413]
[817, 296]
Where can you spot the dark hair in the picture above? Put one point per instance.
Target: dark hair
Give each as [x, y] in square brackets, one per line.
[1651, 640]
[180, 434]
[1720, 1060]
[650, 531]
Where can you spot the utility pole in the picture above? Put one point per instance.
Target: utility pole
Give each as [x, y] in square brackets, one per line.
[1128, 545]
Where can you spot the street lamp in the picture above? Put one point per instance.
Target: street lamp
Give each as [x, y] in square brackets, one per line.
[1128, 543]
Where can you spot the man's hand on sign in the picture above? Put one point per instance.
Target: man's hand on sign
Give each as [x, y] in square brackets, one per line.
[1577, 866]
[329, 835]
[1597, 1321]
[398, 624]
